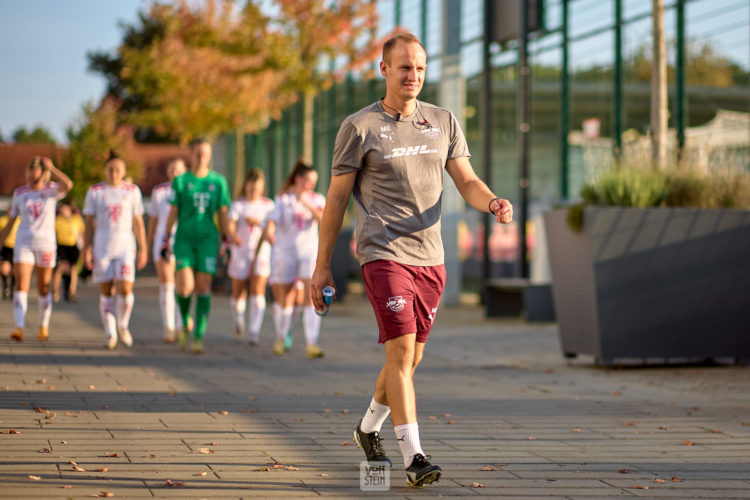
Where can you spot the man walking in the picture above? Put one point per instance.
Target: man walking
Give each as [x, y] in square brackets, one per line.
[392, 155]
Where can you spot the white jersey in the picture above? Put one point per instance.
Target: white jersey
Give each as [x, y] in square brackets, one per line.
[239, 211]
[36, 209]
[159, 208]
[113, 209]
[296, 228]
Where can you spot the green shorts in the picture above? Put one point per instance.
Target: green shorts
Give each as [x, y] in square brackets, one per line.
[199, 256]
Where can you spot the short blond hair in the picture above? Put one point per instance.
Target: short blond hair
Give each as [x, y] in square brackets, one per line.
[398, 37]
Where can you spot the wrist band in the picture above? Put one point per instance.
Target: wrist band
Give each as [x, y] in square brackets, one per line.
[489, 205]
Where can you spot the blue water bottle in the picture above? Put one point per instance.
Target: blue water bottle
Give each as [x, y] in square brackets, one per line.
[328, 295]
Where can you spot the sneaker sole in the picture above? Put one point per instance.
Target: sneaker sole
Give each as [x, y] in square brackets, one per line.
[430, 477]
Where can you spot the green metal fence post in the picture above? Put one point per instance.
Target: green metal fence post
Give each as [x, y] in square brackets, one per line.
[564, 106]
[617, 125]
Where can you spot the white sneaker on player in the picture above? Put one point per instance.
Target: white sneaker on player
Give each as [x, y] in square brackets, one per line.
[111, 341]
[126, 338]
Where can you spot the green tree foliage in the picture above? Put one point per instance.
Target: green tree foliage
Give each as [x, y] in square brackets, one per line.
[38, 135]
[97, 132]
[200, 68]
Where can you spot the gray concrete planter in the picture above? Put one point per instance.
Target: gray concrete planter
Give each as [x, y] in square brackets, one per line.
[661, 283]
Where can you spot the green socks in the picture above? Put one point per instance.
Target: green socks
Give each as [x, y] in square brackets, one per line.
[184, 304]
[202, 307]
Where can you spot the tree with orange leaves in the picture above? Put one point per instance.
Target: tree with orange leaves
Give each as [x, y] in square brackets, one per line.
[337, 32]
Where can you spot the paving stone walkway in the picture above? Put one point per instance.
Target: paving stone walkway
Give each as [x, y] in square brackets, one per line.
[500, 410]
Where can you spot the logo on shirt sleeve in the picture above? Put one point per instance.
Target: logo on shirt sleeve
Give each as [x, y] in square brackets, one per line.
[396, 304]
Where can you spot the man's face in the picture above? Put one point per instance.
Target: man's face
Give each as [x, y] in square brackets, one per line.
[404, 74]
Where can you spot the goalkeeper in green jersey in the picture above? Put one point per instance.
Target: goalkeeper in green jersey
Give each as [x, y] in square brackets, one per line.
[197, 197]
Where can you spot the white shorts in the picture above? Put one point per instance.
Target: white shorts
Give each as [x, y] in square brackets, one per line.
[40, 258]
[239, 264]
[287, 267]
[114, 269]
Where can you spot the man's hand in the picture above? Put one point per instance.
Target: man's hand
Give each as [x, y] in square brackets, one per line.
[502, 209]
[320, 278]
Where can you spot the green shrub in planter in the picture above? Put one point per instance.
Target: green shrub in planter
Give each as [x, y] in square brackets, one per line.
[677, 186]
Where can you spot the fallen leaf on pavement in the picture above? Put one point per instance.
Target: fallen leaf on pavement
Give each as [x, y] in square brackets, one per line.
[92, 387]
[617, 393]
[628, 424]
[447, 415]
[284, 467]
[432, 417]
[39, 409]
[67, 486]
[78, 468]
[487, 468]
[34, 478]
[531, 438]
[114, 455]
[106, 494]
[663, 427]
[676, 479]
[659, 481]
[173, 484]
[324, 475]
[477, 485]
[346, 443]
[264, 469]
[213, 443]
[640, 487]
[205, 451]
[201, 474]
[152, 456]
[624, 471]
[11, 431]
[101, 469]
[687, 442]
[576, 430]
[223, 412]
[451, 422]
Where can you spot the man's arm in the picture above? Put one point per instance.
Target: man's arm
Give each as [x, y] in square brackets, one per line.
[475, 191]
[333, 215]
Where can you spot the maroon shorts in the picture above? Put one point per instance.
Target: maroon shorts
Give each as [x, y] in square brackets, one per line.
[405, 298]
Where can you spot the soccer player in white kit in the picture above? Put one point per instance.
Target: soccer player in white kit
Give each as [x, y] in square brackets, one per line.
[165, 264]
[36, 241]
[292, 229]
[246, 217]
[113, 212]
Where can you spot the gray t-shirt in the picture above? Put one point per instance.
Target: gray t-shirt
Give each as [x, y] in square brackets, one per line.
[400, 167]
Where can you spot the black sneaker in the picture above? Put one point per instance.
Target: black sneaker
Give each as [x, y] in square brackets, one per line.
[422, 472]
[372, 444]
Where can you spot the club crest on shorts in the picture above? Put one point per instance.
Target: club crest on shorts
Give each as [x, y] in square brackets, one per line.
[396, 304]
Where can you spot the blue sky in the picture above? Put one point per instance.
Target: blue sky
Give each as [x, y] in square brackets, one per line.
[43, 46]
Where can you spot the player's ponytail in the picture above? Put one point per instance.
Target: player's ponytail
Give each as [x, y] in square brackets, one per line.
[300, 168]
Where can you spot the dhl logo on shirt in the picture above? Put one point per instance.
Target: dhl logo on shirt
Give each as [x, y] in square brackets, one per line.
[410, 151]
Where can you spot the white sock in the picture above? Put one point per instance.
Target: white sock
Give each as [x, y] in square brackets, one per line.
[374, 417]
[239, 306]
[45, 309]
[167, 305]
[296, 314]
[123, 309]
[107, 311]
[257, 311]
[407, 436]
[282, 319]
[312, 325]
[20, 303]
